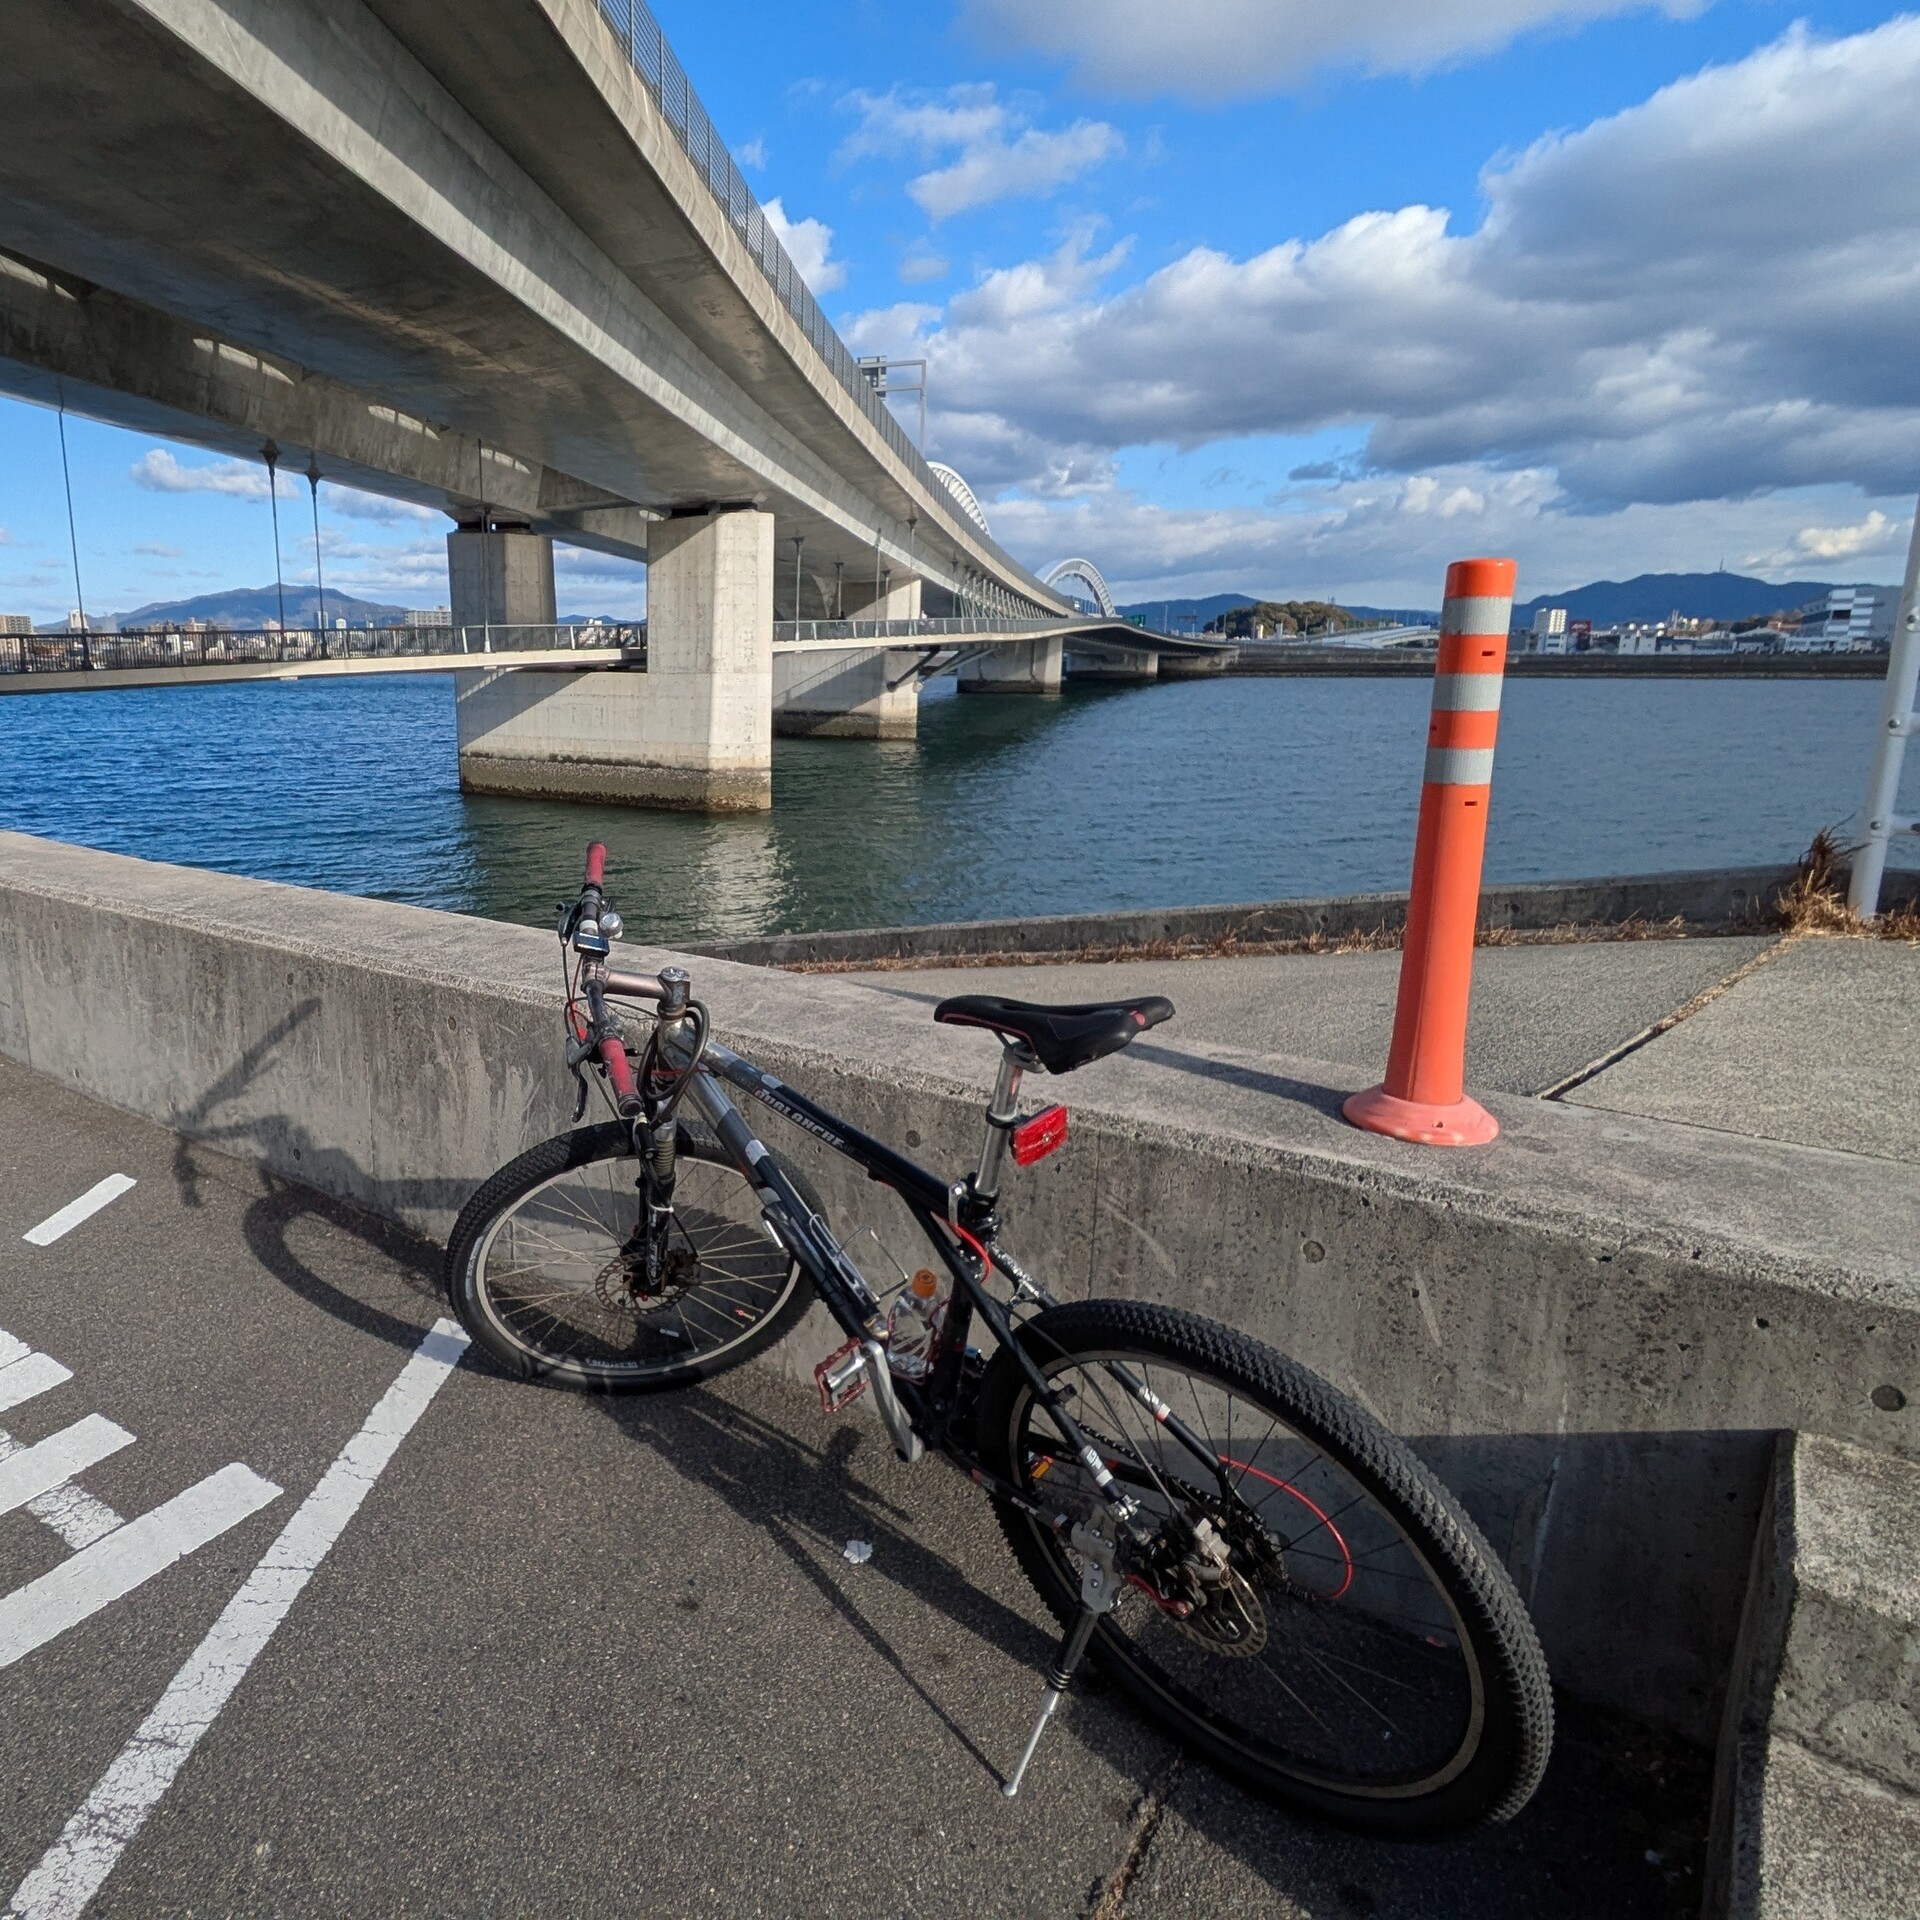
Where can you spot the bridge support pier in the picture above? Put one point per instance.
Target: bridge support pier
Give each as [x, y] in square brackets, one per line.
[1132, 667]
[693, 732]
[500, 577]
[1030, 666]
[856, 693]
[1192, 666]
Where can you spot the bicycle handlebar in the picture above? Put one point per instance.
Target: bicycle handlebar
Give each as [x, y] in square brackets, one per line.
[596, 864]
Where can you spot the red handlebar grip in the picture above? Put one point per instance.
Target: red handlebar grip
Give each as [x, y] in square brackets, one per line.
[596, 864]
[613, 1054]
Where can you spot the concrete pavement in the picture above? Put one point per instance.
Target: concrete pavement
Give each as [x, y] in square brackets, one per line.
[1539, 1013]
[1820, 1046]
[583, 1658]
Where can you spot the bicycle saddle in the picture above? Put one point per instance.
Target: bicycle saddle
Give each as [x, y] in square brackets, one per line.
[1061, 1038]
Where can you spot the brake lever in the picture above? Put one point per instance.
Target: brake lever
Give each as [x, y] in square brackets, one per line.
[582, 1093]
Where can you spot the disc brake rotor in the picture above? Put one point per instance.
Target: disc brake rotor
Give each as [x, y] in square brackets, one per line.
[1232, 1624]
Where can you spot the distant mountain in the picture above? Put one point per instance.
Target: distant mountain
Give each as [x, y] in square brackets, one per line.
[1161, 613]
[1401, 616]
[1702, 596]
[246, 607]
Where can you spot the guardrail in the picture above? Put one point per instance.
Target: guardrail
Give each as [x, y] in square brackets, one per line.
[790, 631]
[222, 646]
[654, 61]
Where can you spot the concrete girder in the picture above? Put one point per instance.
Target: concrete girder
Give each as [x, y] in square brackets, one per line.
[478, 213]
[64, 342]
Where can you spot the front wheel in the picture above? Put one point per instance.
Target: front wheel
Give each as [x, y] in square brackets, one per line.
[546, 1272]
[1314, 1612]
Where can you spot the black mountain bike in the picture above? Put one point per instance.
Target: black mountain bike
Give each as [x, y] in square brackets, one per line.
[1249, 1555]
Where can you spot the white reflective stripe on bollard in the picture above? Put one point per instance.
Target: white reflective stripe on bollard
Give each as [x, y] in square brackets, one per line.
[1467, 692]
[1459, 766]
[1477, 616]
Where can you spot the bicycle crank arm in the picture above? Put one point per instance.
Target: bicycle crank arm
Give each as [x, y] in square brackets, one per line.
[893, 1416]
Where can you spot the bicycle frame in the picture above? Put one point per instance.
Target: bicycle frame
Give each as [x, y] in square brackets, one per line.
[959, 1219]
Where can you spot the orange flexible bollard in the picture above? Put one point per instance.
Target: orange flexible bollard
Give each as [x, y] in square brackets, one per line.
[1423, 1097]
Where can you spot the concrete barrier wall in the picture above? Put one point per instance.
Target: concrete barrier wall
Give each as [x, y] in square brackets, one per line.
[1592, 1332]
[1718, 901]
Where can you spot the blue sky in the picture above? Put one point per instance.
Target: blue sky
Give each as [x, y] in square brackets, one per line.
[1270, 296]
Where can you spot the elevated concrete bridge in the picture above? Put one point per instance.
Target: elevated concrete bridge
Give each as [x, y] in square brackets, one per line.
[491, 258]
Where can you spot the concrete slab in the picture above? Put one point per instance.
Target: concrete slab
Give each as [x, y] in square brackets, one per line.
[589, 1658]
[1817, 1794]
[1820, 1046]
[1539, 1013]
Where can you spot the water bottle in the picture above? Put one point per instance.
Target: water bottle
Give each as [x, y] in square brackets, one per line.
[913, 1326]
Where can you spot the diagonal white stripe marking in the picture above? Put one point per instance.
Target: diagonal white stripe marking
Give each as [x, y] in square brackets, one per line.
[32, 1615]
[96, 1196]
[73, 1513]
[33, 1470]
[75, 1866]
[31, 1374]
[12, 1349]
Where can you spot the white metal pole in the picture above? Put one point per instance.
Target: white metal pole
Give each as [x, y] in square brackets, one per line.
[1897, 726]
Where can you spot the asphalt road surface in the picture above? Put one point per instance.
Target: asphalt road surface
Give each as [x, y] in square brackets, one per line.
[369, 1630]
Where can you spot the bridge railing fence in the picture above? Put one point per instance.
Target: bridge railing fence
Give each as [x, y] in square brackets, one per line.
[654, 60]
[224, 646]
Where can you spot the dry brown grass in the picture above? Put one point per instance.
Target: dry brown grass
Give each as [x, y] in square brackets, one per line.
[1814, 905]
[1239, 945]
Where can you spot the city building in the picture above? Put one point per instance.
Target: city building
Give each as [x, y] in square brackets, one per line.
[429, 617]
[16, 623]
[1550, 630]
[1852, 620]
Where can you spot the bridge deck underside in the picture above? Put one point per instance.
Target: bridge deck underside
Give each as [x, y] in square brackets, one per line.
[472, 213]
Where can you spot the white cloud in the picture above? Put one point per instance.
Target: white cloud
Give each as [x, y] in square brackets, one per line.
[154, 550]
[1386, 541]
[1707, 296]
[921, 264]
[753, 154]
[1877, 535]
[997, 154]
[351, 503]
[159, 471]
[809, 245]
[1207, 49]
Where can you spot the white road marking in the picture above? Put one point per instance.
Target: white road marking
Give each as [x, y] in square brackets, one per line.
[33, 1470]
[75, 1515]
[96, 1196]
[32, 1373]
[32, 1615]
[74, 1867]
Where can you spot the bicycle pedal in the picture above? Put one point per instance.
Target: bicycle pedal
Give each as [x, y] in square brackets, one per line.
[841, 1377]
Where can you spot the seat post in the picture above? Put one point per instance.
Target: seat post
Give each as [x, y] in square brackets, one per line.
[1001, 1114]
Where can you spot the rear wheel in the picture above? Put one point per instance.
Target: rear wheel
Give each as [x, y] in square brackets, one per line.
[543, 1267]
[1316, 1614]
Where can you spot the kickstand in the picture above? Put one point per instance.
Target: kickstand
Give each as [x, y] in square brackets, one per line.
[1099, 1592]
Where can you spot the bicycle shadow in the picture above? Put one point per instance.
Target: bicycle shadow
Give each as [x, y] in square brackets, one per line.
[809, 1500]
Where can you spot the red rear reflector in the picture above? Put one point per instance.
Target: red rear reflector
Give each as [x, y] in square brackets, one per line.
[1036, 1138]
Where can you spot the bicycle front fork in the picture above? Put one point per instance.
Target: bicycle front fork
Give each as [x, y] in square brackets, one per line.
[1100, 1584]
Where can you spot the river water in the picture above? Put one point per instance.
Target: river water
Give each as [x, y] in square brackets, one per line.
[1115, 797]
